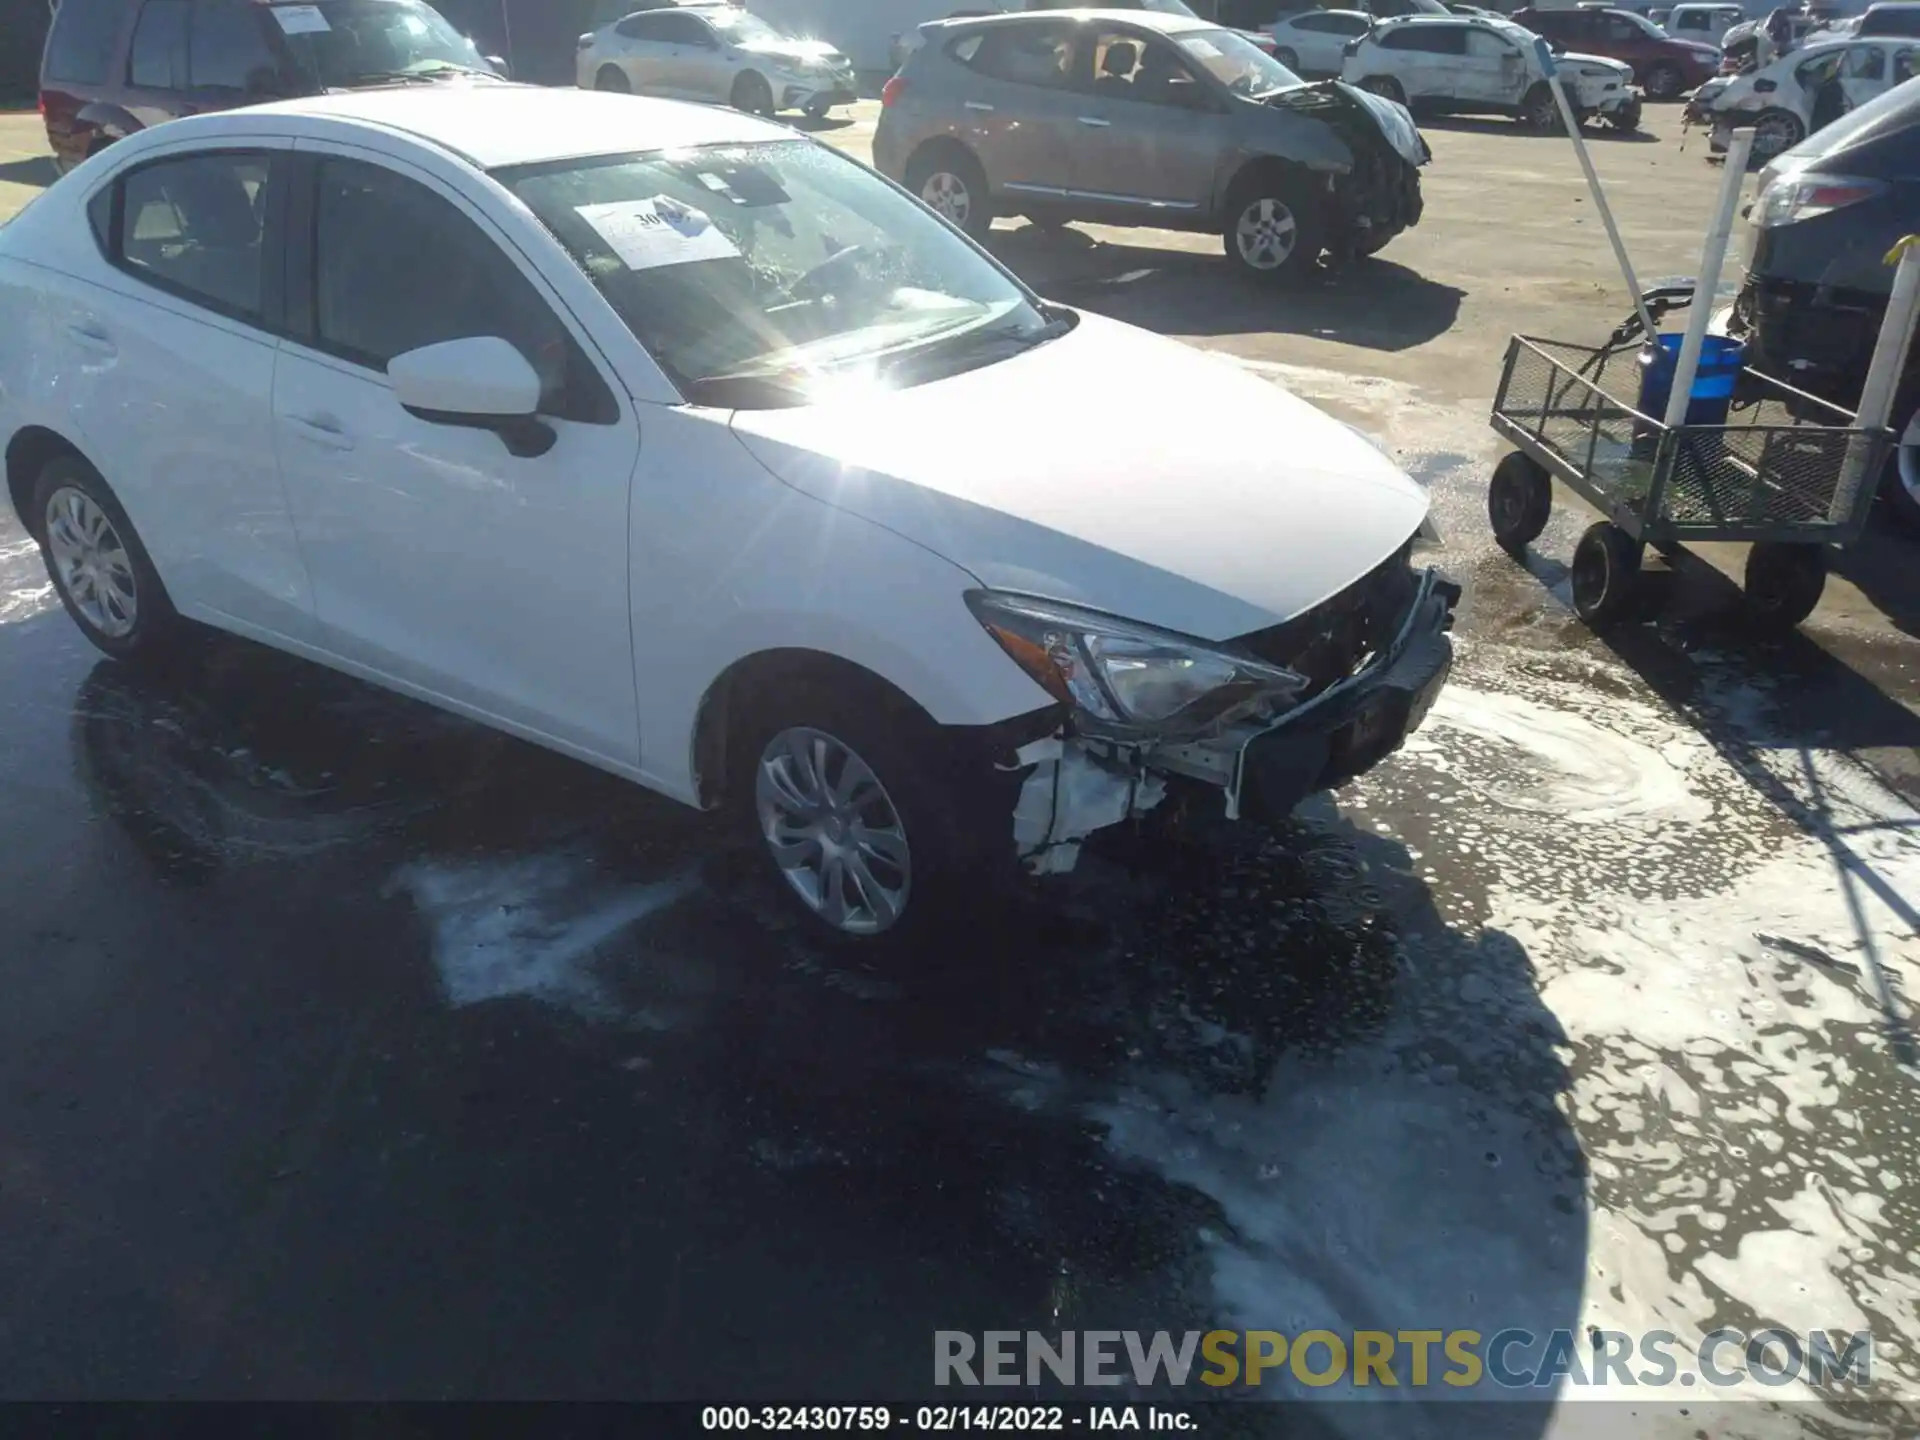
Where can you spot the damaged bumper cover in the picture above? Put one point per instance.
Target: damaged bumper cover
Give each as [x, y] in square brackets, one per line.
[1380, 197]
[1080, 784]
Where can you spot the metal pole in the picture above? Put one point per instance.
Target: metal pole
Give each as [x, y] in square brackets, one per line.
[1707, 284]
[1884, 373]
[1572, 122]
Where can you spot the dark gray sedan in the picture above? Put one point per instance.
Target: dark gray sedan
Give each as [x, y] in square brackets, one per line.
[1134, 117]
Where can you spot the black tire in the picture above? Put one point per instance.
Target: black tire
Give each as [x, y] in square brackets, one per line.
[1900, 483]
[1606, 574]
[1519, 501]
[950, 182]
[1775, 132]
[901, 749]
[1664, 81]
[613, 80]
[1275, 227]
[1288, 58]
[1386, 87]
[753, 94]
[134, 586]
[1539, 111]
[819, 109]
[1784, 582]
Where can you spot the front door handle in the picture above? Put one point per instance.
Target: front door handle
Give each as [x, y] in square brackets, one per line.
[1095, 122]
[980, 107]
[322, 430]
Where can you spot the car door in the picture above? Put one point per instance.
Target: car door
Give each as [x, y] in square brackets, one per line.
[165, 343]
[1864, 73]
[1151, 129]
[440, 561]
[1493, 70]
[696, 66]
[1018, 109]
[1444, 69]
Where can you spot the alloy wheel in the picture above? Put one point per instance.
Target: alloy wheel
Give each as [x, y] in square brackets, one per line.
[834, 831]
[947, 193]
[92, 562]
[1775, 135]
[1266, 234]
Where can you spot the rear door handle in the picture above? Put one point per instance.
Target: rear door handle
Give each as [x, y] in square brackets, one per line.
[91, 335]
[321, 430]
[980, 106]
[1095, 122]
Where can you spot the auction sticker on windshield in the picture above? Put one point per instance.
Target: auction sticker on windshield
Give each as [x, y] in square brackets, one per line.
[647, 234]
[300, 19]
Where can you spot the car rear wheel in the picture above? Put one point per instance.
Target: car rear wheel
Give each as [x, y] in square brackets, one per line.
[1776, 132]
[954, 186]
[753, 94]
[1288, 58]
[1274, 228]
[613, 80]
[1901, 489]
[98, 565]
[1664, 82]
[1386, 87]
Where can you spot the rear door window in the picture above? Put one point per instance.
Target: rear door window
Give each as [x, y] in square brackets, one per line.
[1432, 39]
[85, 33]
[1039, 55]
[159, 58]
[229, 48]
[196, 227]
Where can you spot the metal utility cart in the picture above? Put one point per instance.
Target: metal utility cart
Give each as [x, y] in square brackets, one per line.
[1779, 468]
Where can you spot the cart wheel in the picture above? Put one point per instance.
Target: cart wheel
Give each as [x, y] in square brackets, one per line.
[1784, 582]
[1606, 570]
[1519, 501]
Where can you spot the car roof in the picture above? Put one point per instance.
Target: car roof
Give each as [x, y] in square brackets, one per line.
[1160, 20]
[497, 125]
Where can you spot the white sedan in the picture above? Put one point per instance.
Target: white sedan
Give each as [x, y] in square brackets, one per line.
[1800, 92]
[679, 443]
[717, 53]
[1314, 42]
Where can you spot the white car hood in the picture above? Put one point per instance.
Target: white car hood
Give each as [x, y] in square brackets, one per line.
[1113, 469]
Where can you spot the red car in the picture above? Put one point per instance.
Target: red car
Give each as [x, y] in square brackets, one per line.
[1665, 68]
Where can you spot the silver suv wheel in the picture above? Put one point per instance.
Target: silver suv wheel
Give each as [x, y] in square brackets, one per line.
[948, 194]
[1266, 233]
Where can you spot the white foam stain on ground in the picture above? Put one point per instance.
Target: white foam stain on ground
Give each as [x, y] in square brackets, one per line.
[1720, 964]
[24, 589]
[533, 926]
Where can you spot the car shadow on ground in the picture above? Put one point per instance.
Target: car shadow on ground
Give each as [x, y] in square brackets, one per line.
[1247, 1077]
[1373, 302]
[825, 125]
[1495, 125]
[37, 171]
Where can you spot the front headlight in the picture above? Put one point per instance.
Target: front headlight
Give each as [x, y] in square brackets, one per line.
[1122, 677]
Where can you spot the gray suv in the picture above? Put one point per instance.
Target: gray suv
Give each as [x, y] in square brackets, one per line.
[1133, 117]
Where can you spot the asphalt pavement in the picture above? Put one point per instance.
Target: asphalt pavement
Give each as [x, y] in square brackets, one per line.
[352, 1052]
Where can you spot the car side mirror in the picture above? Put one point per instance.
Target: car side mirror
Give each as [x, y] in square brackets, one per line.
[481, 383]
[500, 66]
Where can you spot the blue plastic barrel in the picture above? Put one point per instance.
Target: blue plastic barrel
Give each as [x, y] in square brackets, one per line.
[1720, 362]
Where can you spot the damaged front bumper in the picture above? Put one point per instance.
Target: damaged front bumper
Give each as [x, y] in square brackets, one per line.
[1262, 770]
[1622, 108]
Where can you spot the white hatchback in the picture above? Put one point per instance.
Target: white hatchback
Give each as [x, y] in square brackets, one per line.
[666, 438]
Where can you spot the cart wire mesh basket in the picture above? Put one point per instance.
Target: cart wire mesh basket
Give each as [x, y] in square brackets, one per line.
[1778, 469]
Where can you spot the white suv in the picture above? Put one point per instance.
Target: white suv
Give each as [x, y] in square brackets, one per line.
[1467, 64]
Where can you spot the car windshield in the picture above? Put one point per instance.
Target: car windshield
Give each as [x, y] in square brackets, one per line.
[1242, 67]
[779, 272]
[351, 42]
[744, 29]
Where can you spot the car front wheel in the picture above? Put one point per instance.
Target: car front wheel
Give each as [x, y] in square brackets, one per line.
[847, 800]
[1273, 230]
[1664, 82]
[98, 565]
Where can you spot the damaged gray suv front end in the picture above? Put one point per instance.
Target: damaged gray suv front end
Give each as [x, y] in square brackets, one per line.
[1254, 725]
